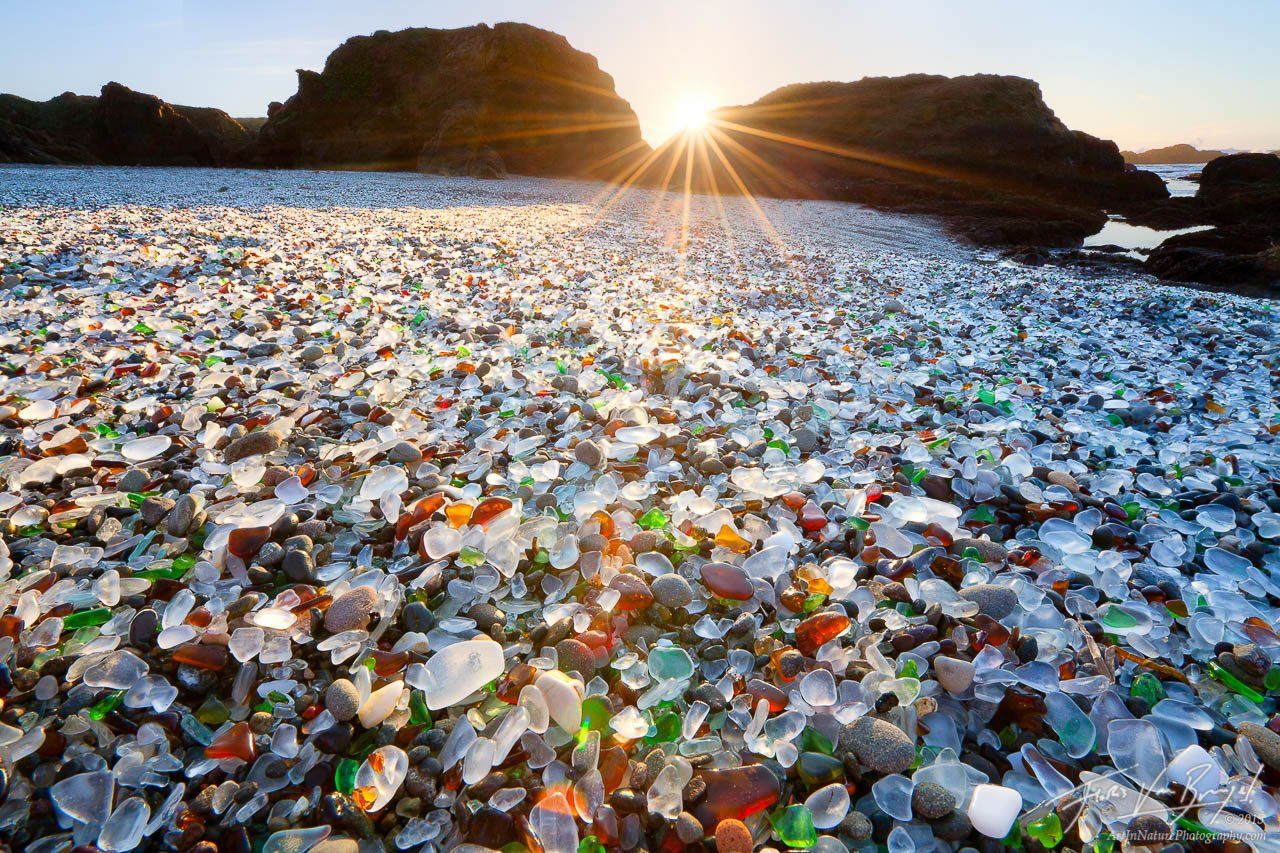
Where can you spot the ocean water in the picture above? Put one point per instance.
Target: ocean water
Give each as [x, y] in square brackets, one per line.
[1139, 239]
[1117, 232]
[1177, 177]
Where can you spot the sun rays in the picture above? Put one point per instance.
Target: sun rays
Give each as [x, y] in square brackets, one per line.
[744, 155]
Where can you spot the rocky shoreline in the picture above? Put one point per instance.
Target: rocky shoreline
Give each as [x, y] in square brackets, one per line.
[983, 153]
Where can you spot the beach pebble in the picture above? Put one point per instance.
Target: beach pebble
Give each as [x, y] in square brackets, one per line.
[342, 700]
[879, 745]
[589, 454]
[931, 801]
[1264, 741]
[997, 602]
[351, 610]
[671, 591]
[133, 480]
[253, 444]
[732, 836]
[988, 551]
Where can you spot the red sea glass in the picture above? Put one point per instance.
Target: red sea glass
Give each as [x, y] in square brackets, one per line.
[735, 793]
[244, 542]
[235, 742]
[727, 581]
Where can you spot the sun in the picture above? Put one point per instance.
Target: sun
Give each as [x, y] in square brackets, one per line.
[692, 114]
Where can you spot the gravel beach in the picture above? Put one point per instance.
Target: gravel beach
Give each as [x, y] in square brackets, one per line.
[371, 512]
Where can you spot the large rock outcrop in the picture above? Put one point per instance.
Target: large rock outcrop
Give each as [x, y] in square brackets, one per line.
[1240, 196]
[120, 127]
[479, 100]
[983, 151]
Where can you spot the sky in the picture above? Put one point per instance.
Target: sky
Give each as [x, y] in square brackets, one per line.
[1145, 73]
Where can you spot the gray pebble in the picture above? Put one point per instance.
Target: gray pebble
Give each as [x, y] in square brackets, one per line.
[589, 454]
[154, 510]
[351, 610]
[988, 551]
[931, 801]
[879, 744]
[404, 452]
[133, 480]
[182, 515]
[994, 601]
[253, 444]
[671, 591]
[342, 700]
[804, 439]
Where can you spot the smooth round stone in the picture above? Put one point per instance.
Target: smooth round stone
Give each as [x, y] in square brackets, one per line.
[253, 444]
[988, 551]
[133, 480]
[417, 617]
[154, 509]
[589, 454]
[142, 630]
[404, 453]
[672, 591]
[804, 439]
[182, 515]
[879, 744]
[995, 601]
[857, 826]
[576, 656]
[342, 699]
[644, 542]
[486, 616]
[1148, 831]
[1265, 743]
[732, 836]
[298, 566]
[688, 828]
[931, 801]
[351, 611]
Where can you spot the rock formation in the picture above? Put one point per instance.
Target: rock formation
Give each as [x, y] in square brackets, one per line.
[1239, 195]
[985, 152]
[477, 101]
[1181, 153]
[120, 127]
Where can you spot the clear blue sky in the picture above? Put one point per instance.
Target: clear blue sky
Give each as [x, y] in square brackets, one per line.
[1142, 72]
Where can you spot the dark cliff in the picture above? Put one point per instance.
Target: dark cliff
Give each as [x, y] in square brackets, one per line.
[479, 100]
